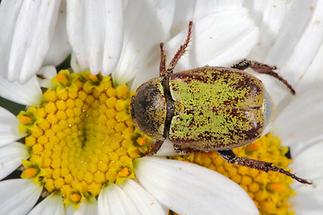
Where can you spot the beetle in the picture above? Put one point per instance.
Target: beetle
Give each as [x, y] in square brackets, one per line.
[207, 108]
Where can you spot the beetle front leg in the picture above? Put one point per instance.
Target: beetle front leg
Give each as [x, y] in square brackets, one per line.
[264, 69]
[162, 65]
[155, 147]
[181, 49]
[257, 164]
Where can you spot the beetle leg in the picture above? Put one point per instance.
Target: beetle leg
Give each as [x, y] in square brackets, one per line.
[162, 65]
[257, 164]
[181, 49]
[264, 69]
[155, 147]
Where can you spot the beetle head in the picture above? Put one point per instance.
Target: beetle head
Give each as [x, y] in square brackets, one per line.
[148, 108]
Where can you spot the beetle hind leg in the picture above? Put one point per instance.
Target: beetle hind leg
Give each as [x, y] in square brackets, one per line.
[257, 164]
[264, 69]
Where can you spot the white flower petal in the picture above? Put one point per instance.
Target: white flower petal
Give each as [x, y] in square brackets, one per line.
[18, 196]
[113, 36]
[314, 73]
[308, 199]
[308, 163]
[144, 201]
[9, 12]
[295, 22]
[88, 30]
[141, 41]
[188, 10]
[76, 67]
[31, 39]
[308, 45]
[301, 120]
[47, 73]
[8, 127]
[87, 208]
[190, 189]
[28, 93]
[60, 46]
[167, 149]
[263, 13]
[204, 8]
[113, 200]
[215, 40]
[11, 157]
[53, 205]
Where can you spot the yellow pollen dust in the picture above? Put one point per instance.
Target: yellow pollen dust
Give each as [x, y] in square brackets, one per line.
[81, 137]
[269, 190]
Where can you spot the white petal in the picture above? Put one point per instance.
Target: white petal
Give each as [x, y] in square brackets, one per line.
[308, 45]
[167, 149]
[88, 30]
[309, 162]
[32, 35]
[60, 46]
[263, 13]
[113, 200]
[9, 12]
[188, 10]
[76, 67]
[113, 36]
[190, 189]
[11, 157]
[144, 201]
[141, 41]
[308, 199]
[28, 93]
[314, 73]
[87, 208]
[53, 205]
[47, 73]
[212, 39]
[8, 127]
[301, 120]
[18, 196]
[295, 22]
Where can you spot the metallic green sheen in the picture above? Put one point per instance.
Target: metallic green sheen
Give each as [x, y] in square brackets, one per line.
[215, 108]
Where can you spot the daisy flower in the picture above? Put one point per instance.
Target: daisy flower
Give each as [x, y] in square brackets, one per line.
[75, 145]
[81, 152]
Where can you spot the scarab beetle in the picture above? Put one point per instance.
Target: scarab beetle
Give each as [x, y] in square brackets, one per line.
[206, 109]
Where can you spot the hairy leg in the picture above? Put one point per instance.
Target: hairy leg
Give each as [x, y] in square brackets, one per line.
[181, 49]
[162, 65]
[257, 164]
[155, 147]
[264, 69]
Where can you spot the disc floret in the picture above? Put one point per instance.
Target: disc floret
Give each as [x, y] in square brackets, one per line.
[81, 137]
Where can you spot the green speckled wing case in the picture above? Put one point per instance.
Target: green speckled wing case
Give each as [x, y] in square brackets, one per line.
[215, 108]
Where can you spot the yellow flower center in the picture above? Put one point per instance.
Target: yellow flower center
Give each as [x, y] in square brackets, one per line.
[269, 190]
[81, 137]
